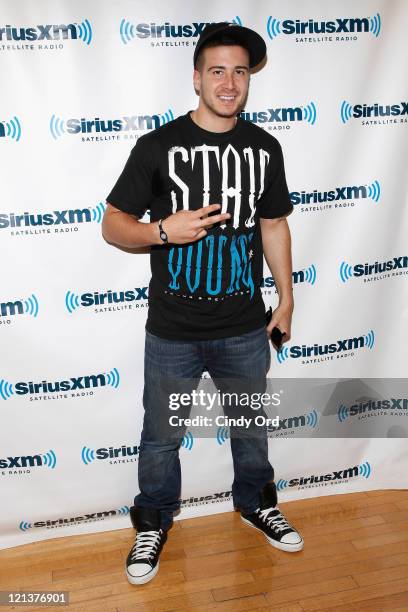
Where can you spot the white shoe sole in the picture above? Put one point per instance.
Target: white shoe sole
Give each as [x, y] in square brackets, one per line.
[286, 547]
[142, 579]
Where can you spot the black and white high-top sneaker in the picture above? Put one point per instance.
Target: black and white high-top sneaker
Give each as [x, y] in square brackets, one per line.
[142, 563]
[271, 522]
[275, 528]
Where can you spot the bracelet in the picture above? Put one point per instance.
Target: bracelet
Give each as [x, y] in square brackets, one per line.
[163, 234]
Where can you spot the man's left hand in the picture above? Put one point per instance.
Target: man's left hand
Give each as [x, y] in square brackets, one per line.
[282, 319]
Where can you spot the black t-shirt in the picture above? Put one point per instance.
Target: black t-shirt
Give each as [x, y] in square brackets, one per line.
[209, 288]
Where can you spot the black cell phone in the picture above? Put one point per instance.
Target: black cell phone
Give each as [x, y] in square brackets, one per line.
[276, 334]
[277, 337]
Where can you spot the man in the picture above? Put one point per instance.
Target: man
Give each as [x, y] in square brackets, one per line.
[216, 189]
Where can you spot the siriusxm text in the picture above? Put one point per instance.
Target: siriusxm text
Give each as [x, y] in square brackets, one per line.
[346, 344]
[111, 297]
[351, 192]
[123, 124]
[346, 24]
[57, 217]
[71, 384]
[366, 269]
[39, 32]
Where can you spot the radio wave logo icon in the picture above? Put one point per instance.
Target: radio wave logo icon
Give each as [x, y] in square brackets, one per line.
[6, 389]
[283, 354]
[309, 113]
[11, 129]
[113, 378]
[71, 301]
[281, 484]
[346, 110]
[123, 510]
[84, 30]
[166, 117]
[49, 459]
[31, 305]
[346, 271]
[312, 418]
[24, 526]
[237, 20]
[374, 191]
[369, 339]
[310, 274]
[364, 470]
[273, 27]
[57, 127]
[375, 24]
[87, 455]
[97, 212]
[342, 413]
[187, 441]
[127, 31]
[222, 434]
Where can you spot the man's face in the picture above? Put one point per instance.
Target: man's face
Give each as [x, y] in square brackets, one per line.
[223, 79]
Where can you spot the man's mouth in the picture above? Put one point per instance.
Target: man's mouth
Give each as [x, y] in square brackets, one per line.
[225, 98]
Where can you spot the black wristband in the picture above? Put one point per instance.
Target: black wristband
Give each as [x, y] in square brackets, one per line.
[163, 234]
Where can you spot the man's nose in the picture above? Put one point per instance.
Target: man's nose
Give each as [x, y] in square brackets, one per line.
[229, 80]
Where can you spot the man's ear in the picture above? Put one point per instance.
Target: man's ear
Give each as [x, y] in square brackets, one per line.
[197, 81]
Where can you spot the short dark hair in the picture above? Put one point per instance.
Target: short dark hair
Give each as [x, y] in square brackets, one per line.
[216, 41]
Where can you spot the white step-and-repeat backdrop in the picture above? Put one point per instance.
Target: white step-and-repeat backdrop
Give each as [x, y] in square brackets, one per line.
[80, 82]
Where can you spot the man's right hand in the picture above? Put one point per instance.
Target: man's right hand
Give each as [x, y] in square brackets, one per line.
[191, 225]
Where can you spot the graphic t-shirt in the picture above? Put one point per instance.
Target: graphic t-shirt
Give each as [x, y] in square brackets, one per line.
[209, 288]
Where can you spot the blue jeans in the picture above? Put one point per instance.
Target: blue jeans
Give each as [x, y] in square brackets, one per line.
[159, 472]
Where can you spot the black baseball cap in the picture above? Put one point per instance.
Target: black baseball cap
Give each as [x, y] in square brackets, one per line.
[250, 39]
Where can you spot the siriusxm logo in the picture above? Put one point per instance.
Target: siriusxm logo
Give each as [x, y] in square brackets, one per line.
[11, 129]
[305, 113]
[340, 25]
[47, 459]
[54, 218]
[88, 455]
[60, 127]
[207, 499]
[129, 30]
[92, 381]
[364, 470]
[317, 350]
[72, 31]
[27, 306]
[307, 275]
[74, 301]
[336, 194]
[358, 111]
[346, 271]
[63, 522]
[364, 407]
[309, 420]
